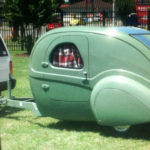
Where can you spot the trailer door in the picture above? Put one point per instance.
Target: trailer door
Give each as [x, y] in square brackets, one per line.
[66, 69]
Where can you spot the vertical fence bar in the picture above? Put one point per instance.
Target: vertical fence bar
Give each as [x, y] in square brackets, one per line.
[148, 24]
[86, 5]
[104, 18]
[114, 12]
[93, 9]
[22, 38]
[61, 17]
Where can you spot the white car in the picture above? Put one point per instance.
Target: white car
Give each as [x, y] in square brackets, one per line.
[5, 67]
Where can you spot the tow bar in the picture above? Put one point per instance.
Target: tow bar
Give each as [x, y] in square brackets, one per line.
[24, 103]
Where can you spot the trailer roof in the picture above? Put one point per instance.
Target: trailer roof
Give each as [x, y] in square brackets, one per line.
[100, 30]
[132, 30]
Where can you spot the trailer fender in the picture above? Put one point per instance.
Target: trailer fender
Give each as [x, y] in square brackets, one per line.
[119, 100]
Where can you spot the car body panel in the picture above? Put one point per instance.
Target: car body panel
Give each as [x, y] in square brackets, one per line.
[4, 68]
[4, 65]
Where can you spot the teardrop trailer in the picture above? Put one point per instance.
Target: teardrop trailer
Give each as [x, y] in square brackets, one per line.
[90, 74]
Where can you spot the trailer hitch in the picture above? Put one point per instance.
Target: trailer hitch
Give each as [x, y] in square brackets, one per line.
[23, 103]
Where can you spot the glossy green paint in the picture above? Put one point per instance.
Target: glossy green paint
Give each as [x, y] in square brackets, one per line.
[115, 90]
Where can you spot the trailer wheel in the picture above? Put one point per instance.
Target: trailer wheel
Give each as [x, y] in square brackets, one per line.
[121, 129]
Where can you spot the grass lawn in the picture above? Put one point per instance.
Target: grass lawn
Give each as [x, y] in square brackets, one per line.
[21, 130]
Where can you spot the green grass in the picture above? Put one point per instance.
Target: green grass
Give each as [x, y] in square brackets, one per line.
[21, 130]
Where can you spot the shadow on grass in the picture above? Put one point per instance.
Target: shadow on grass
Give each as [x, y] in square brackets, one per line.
[138, 132]
[4, 110]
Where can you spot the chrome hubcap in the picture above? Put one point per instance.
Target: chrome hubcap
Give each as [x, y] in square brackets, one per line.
[122, 128]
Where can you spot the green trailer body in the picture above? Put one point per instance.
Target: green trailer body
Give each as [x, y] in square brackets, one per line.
[113, 85]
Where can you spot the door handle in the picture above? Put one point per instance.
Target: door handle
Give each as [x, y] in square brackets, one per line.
[45, 87]
[85, 73]
[44, 64]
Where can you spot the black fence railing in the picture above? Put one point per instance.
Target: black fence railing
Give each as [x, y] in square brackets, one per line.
[87, 16]
[18, 38]
[69, 17]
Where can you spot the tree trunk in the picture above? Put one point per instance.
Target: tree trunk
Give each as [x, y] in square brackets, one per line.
[22, 37]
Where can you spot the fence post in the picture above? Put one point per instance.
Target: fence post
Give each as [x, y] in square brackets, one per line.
[93, 9]
[62, 16]
[104, 17]
[148, 23]
[22, 38]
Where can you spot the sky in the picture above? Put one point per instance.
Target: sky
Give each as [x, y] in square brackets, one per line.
[66, 1]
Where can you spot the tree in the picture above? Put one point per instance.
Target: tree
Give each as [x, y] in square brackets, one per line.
[124, 7]
[56, 4]
[56, 8]
[26, 13]
[74, 1]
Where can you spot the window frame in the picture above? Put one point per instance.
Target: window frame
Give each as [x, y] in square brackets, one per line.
[4, 49]
[69, 44]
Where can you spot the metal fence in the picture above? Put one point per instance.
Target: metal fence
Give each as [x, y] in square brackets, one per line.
[68, 16]
[6, 33]
[102, 17]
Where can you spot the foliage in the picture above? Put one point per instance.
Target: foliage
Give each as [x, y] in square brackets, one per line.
[124, 7]
[71, 1]
[26, 13]
[74, 1]
[56, 4]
